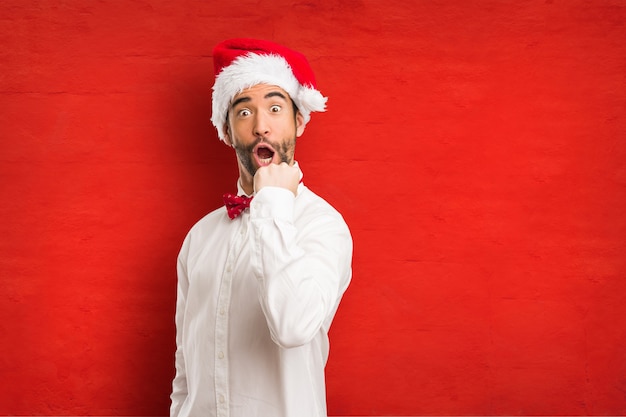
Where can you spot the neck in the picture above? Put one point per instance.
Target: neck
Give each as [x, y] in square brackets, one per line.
[246, 181]
[246, 186]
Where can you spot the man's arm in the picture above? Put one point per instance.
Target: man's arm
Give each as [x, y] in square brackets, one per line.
[179, 385]
[302, 274]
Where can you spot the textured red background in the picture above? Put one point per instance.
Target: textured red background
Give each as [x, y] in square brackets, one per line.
[476, 149]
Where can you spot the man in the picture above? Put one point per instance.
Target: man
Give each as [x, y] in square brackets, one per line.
[259, 281]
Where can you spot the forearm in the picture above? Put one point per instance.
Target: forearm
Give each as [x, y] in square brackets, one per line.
[179, 384]
[301, 273]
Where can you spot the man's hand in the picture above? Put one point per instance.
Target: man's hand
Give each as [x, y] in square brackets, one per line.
[282, 175]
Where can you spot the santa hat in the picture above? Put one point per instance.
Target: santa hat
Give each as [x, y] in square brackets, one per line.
[244, 63]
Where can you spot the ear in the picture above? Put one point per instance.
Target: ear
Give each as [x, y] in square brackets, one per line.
[227, 138]
[300, 125]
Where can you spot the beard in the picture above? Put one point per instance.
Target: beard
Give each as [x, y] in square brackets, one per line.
[284, 149]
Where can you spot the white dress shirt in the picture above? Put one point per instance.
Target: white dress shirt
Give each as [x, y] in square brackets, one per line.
[256, 297]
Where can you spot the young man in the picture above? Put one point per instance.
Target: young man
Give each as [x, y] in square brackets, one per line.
[259, 281]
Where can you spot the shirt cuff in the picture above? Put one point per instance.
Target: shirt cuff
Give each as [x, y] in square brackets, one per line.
[273, 202]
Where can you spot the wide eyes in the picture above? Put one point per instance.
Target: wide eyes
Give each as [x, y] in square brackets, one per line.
[245, 112]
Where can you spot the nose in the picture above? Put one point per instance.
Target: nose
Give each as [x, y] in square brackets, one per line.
[261, 125]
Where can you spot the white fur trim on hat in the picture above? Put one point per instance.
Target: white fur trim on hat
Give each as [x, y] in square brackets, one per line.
[249, 70]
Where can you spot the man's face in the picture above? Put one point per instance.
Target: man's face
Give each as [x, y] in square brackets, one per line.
[263, 128]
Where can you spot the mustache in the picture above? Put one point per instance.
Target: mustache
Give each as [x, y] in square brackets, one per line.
[281, 148]
[250, 147]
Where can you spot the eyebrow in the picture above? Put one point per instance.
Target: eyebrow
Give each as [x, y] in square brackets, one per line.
[239, 100]
[246, 99]
[276, 94]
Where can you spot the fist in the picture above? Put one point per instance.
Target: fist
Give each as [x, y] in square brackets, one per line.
[277, 175]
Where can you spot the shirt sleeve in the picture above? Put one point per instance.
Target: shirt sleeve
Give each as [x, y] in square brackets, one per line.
[302, 271]
[179, 384]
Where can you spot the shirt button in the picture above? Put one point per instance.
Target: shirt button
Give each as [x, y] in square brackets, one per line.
[220, 355]
[222, 311]
[228, 268]
[222, 399]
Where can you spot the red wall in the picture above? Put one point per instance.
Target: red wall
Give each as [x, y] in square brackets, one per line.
[476, 148]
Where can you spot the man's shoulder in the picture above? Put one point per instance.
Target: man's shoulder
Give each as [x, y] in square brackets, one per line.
[210, 222]
[310, 204]
[310, 197]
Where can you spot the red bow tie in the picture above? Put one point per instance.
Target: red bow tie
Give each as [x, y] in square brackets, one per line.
[236, 204]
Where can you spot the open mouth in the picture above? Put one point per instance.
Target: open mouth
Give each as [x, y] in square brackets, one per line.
[264, 154]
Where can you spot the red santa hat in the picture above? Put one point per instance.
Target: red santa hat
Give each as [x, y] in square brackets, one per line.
[244, 63]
